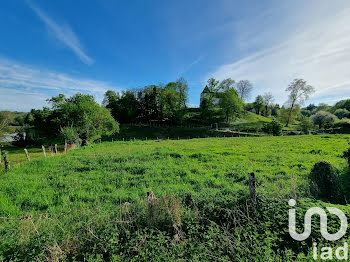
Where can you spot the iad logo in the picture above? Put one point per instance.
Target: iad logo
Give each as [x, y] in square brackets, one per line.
[327, 251]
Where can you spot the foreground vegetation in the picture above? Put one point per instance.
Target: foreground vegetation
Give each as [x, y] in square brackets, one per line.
[91, 203]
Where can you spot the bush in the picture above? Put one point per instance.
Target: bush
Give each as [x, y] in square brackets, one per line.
[274, 128]
[324, 183]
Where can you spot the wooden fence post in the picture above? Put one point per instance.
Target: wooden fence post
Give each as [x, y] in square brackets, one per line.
[27, 154]
[151, 199]
[0, 156]
[252, 187]
[44, 152]
[65, 147]
[56, 151]
[178, 138]
[6, 162]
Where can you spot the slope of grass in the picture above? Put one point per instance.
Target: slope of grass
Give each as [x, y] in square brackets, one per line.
[250, 122]
[91, 203]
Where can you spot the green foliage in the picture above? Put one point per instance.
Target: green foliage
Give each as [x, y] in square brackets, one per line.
[4, 124]
[324, 182]
[273, 128]
[305, 124]
[343, 104]
[342, 113]
[231, 104]
[79, 112]
[259, 104]
[288, 115]
[151, 103]
[70, 135]
[323, 119]
[346, 155]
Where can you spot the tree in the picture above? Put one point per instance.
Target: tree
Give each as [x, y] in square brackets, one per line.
[268, 100]
[244, 88]
[285, 115]
[345, 104]
[259, 104]
[299, 91]
[4, 124]
[342, 113]
[305, 124]
[78, 116]
[323, 119]
[226, 84]
[182, 89]
[231, 104]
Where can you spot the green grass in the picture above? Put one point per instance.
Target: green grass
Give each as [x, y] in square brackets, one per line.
[250, 122]
[17, 156]
[91, 202]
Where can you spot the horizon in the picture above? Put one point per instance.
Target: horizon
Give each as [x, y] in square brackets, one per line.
[65, 47]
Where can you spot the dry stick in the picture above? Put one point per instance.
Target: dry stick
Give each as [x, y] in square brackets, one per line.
[6, 162]
[27, 154]
[0, 156]
[44, 152]
[56, 151]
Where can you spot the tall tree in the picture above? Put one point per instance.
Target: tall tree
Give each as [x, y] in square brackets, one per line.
[231, 104]
[259, 104]
[299, 91]
[268, 100]
[244, 88]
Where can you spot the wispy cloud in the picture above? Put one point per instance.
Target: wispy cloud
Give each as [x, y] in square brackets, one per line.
[23, 87]
[316, 48]
[63, 33]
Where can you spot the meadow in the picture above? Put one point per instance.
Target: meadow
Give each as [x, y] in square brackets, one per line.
[91, 203]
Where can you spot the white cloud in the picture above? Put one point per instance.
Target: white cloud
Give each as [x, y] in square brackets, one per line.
[23, 87]
[316, 48]
[63, 33]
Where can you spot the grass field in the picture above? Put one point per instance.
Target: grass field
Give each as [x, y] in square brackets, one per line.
[91, 202]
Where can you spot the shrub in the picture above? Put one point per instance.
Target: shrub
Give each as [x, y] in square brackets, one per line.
[324, 183]
[274, 128]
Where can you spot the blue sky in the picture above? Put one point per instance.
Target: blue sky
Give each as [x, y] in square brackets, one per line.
[52, 47]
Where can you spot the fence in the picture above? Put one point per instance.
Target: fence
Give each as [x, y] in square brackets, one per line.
[17, 157]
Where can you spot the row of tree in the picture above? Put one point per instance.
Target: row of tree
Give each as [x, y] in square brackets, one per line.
[151, 103]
